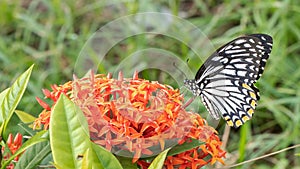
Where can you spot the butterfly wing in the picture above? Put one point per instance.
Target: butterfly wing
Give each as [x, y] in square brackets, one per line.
[244, 58]
[227, 78]
[236, 101]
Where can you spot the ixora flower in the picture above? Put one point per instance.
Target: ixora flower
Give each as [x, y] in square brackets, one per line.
[13, 144]
[137, 118]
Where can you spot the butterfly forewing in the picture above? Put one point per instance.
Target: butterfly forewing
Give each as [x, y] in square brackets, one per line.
[226, 80]
[243, 58]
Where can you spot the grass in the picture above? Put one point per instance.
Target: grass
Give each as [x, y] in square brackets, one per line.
[50, 34]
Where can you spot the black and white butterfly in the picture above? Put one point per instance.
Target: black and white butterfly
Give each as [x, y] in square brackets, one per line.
[225, 82]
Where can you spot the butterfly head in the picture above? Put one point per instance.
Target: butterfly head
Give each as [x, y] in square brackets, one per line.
[193, 86]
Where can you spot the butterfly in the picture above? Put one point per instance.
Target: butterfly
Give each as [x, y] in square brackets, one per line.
[225, 81]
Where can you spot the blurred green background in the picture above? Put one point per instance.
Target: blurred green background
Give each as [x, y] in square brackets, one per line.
[50, 34]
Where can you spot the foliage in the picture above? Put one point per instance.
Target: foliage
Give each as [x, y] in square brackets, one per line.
[50, 34]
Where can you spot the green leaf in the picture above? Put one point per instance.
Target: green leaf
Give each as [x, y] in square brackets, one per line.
[58, 166]
[3, 94]
[33, 156]
[158, 162]
[68, 136]
[39, 137]
[105, 158]
[184, 147]
[126, 162]
[25, 117]
[47, 160]
[69, 139]
[12, 98]
[28, 129]
[86, 164]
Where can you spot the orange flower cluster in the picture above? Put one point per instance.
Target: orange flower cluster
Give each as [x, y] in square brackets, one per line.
[137, 118]
[44, 117]
[13, 145]
[209, 152]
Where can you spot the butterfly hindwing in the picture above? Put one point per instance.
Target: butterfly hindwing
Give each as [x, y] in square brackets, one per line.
[239, 104]
[235, 100]
[225, 82]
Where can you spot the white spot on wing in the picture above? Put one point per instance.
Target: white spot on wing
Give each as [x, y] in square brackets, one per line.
[247, 45]
[239, 41]
[235, 60]
[234, 51]
[244, 91]
[236, 47]
[249, 60]
[224, 60]
[242, 73]
[260, 47]
[251, 67]
[229, 67]
[241, 66]
[229, 72]
[252, 50]
[242, 54]
[228, 47]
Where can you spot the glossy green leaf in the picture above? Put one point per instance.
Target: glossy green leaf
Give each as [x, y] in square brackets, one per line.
[184, 147]
[86, 164]
[28, 128]
[58, 166]
[48, 160]
[104, 157]
[12, 98]
[39, 137]
[3, 94]
[68, 135]
[158, 162]
[126, 162]
[33, 156]
[25, 117]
